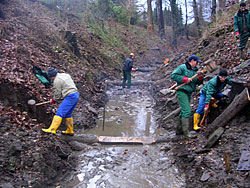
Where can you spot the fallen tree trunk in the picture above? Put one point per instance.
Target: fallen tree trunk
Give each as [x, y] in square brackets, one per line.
[239, 102]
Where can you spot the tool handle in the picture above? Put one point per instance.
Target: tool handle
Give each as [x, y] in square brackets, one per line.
[212, 100]
[41, 103]
[193, 77]
[173, 86]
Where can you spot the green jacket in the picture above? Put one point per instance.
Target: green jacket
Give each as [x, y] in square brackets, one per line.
[182, 71]
[63, 86]
[238, 21]
[214, 86]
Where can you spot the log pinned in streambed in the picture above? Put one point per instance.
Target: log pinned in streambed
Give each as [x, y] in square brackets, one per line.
[239, 102]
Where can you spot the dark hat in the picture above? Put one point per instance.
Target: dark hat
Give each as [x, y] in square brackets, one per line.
[223, 72]
[52, 72]
[242, 4]
[194, 57]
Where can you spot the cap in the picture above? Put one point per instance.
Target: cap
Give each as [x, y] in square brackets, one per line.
[242, 4]
[223, 72]
[52, 72]
[194, 57]
[132, 55]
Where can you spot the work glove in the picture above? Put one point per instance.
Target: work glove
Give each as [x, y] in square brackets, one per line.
[200, 75]
[186, 80]
[52, 101]
[206, 108]
[237, 34]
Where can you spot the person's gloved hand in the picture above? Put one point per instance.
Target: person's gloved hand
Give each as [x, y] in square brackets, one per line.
[206, 108]
[186, 80]
[133, 69]
[237, 34]
[200, 75]
[52, 101]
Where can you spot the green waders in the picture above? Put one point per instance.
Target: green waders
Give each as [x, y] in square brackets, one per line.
[243, 41]
[126, 77]
[184, 100]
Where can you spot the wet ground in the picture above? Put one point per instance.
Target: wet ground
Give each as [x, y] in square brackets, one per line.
[128, 113]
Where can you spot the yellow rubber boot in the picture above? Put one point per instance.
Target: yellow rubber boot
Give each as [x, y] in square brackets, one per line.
[70, 127]
[196, 121]
[54, 125]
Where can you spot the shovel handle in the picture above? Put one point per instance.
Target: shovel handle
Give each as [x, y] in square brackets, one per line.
[212, 100]
[41, 103]
[193, 77]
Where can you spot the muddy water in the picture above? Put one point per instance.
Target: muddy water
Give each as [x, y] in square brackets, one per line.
[127, 114]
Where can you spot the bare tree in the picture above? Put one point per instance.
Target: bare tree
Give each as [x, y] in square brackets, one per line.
[186, 25]
[174, 21]
[160, 19]
[196, 17]
[200, 12]
[150, 17]
[213, 10]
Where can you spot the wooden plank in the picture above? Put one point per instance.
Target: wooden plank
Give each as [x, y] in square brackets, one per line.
[126, 140]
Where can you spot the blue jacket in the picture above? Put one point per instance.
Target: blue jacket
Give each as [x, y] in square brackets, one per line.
[128, 65]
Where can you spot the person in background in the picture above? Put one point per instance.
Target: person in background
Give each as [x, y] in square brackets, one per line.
[242, 27]
[63, 88]
[211, 89]
[182, 74]
[127, 68]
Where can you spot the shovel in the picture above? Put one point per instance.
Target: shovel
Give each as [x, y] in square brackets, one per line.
[210, 66]
[33, 102]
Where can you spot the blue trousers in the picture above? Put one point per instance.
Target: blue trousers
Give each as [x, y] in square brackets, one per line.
[69, 103]
[200, 109]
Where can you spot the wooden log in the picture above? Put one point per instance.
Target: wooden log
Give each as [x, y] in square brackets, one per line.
[172, 114]
[89, 139]
[239, 102]
[214, 137]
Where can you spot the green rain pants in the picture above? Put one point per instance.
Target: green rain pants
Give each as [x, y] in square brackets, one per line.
[184, 100]
[243, 40]
[126, 77]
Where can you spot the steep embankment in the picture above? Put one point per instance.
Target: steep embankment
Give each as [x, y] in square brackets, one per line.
[209, 167]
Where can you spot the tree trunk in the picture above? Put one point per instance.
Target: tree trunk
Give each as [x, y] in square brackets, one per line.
[174, 19]
[150, 17]
[239, 102]
[160, 20]
[213, 14]
[200, 12]
[186, 25]
[196, 17]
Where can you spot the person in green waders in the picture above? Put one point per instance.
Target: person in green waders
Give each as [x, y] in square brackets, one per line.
[127, 68]
[182, 74]
[242, 27]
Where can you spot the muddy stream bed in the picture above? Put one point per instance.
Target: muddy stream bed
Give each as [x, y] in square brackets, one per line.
[128, 113]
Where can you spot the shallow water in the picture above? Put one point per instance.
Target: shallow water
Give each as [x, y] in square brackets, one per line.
[128, 113]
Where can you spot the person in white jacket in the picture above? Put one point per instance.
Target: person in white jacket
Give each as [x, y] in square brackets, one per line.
[64, 88]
